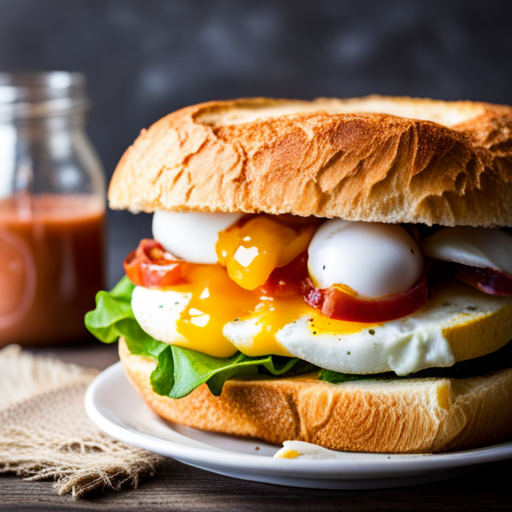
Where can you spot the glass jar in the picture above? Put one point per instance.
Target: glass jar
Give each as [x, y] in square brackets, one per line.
[52, 209]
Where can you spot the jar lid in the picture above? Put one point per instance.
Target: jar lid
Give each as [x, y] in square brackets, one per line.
[42, 94]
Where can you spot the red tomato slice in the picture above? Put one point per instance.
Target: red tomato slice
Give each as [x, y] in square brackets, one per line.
[150, 265]
[488, 280]
[339, 305]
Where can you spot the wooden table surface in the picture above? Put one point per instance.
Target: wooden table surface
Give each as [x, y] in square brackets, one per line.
[179, 487]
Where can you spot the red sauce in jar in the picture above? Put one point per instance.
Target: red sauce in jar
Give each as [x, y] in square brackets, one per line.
[51, 266]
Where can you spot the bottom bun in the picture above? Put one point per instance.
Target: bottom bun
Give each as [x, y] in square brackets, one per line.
[400, 416]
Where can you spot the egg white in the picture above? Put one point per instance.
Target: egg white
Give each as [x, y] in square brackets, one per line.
[158, 312]
[191, 236]
[478, 247]
[371, 258]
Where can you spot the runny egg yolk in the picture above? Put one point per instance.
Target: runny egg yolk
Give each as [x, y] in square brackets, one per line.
[276, 313]
[253, 249]
[216, 300]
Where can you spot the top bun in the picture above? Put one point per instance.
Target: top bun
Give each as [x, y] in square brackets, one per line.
[376, 158]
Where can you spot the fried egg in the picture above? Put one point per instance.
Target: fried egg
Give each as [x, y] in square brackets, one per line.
[456, 324]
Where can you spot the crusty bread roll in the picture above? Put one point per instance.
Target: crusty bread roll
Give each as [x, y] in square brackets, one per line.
[401, 416]
[374, 159]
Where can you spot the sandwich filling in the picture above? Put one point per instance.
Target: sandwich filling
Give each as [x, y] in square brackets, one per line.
[218, 295]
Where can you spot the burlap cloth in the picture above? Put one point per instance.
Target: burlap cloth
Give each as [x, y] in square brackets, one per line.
[45, 432]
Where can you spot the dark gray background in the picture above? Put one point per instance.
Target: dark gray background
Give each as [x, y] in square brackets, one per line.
[145, 58]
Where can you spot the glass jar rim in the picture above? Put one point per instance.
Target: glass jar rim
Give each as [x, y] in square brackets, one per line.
[27, 94]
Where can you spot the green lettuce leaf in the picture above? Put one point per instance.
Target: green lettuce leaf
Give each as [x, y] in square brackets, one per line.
[113, 317]
[339, 378]
[192, 368]
[179, 370]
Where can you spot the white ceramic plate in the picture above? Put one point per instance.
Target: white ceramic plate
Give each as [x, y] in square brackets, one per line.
[113, 404]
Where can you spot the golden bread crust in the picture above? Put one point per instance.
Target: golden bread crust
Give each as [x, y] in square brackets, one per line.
[407, 416]
[374, 159]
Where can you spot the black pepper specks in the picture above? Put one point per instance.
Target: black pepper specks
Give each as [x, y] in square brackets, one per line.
[372, 331]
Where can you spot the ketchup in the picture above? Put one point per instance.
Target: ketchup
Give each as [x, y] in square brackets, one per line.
[51, 266]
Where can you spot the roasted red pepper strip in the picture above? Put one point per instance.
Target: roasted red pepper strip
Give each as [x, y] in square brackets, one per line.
[339, 305]
[287, 280]
[488, 280]
[151, 266]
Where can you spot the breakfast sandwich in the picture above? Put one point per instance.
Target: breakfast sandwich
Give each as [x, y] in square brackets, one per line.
[331, 271]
